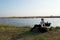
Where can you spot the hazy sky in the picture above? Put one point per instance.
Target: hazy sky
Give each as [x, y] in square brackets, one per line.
[29, 7]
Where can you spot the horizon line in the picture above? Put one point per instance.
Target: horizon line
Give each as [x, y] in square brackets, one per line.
[31, 17]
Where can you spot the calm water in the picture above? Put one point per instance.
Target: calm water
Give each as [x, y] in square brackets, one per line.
[29, 21]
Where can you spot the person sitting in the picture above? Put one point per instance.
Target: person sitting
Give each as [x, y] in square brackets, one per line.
[42, 23]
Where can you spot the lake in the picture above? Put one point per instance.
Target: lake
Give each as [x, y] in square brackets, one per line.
[28, 21]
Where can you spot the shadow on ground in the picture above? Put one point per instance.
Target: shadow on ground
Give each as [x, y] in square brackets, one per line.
[21, 35]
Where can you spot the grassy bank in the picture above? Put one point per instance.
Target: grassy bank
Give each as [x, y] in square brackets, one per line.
[8, 32]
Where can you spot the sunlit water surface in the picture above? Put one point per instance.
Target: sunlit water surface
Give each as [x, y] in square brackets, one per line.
[29, 21]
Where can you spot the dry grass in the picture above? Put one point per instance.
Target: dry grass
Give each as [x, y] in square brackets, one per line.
[8, 32]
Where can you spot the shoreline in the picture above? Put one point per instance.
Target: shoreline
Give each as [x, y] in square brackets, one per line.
[32, 17]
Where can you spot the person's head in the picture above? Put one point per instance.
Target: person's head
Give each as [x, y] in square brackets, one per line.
[42, 19]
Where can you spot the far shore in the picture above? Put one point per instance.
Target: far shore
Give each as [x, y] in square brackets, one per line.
[32, 17]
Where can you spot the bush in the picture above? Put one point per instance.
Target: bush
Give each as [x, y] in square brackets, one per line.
[57, 27]
[52, 29]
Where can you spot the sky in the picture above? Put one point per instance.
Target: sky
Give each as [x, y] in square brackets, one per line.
[29, 8]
